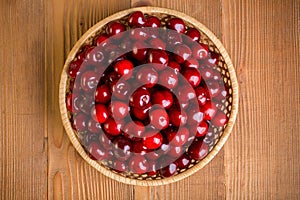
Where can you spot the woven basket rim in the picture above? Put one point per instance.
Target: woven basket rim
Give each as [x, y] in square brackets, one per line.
[72, 135]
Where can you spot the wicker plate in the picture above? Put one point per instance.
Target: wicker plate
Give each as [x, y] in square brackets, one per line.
[225, 67]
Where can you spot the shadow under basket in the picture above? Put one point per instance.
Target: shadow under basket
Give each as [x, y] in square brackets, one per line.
[224, 66]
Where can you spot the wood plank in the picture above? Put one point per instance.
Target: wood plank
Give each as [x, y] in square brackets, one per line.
[209, 182]
[22, 144]
[69, 177]
[262, 155]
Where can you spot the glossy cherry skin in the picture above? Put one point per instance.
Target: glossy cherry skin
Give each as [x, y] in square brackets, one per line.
[202, 129]
[138, 34]
[198, 150]
[119, 109]
[220, 119]
[164, 98]
[80, 122]
[140, 98]
[102, 94]
[154, 141]
[100, 113]
[72, 103]
[178, 138]
[97, 152]
[112, 127]
[191, 63]
[136, 19]
[174, 65]
[139, 52]
[173, 39]
[89, 81]
[176, 24]
[194, 34]
[114, 28]
[200, 51]
[202, 95]
[175, 151]
[185, 94]
[122, 148]
[152, 168]
[105, 140]
[134, 129]
[158, 56]
[157, 43]
[213, 88]
[74, 67]
[159, 118]
[209, 110]
[177, 117]
[121, 90]
[138, 164]
[169, 170]
[183, 162]
[168, 78]
[94, 127]
[86, 103]
[119, 166]
[213, 59]
[206, 72]
[195, 116]
[139, 148]
[193, 76]
[141, 114]
[182, 53]
[152, 21]
[101, 40]
[147, 76]
[124, 68]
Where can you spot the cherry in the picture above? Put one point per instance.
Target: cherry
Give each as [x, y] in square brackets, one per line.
[194, 34]
[220, 119]
[96, 56]
[72, 103]
[173, 38]
[198, 150]
[178, 138]
[174, 65]
[154, 141]
[147, 75]
[112, 127]
[168, 78]
[121, 90]
[157, 43]
[164, 98]
[99, 113]
[176, 24]
[85, 103]
[114, 28]
[136, 19]
[141, 114]
[139, 52]
[152, 168]
[213, 59]
[139, 148]
[185, 93]
[74, 67]
[191, 63]
[105, 140]
[177, 117]
[183, 162]
[102, 94]
[102, 40]
[175, 151]
[94, 127]
[119, 166]
[213, 88]
[80, 122]
[200, 51]
[138, 164]
[97, 152]
[223, 94]
[193, 76]
[124, 68]
[134, 129]
[139, 34]
[152, 21]
[158, 56]
[169, 170]
[89, 81]
[195, 116]
[140, 98]
[159, 118]
[182, 53]
[202, 95]
[119, 109]
[206, 72]
[202, 129]
[209, 110]
[122, 148]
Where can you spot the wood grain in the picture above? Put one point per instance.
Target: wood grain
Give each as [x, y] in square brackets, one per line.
[23, 150]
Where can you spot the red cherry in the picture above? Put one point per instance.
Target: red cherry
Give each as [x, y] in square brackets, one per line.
[102, 94]
[97, 152]
[206, 72]
[220, 119]
[153, 155]
[152, 168]
[202, 95]
[198, 150]
[223, 94]
[213, 88]
[175, 151]
[102, 40]
[112, 127]
[159, 118]
[147, 76]
[174, 65]
[176, 24]
[168, 78]
[157, 43]
[185, 93]
[202, 129]
[141, 114]
[122, 148]
[134, 129]
[178, 138]
[120, 166]
[85, 103]
[121, 90]
[124, 68]
[140, 98]
[114, 28]
[164, 98]
[173, 38]
[136, 19]
[119, 109]
[200, 51]
[72, 103]
[183, 162]
[213, 59]
[138, 164]
[153, 22]
[177, 117]
[94, 127]
[105, 140]
[139, 148]
[138, 34]
[209, 110]
[139, 52]
[99, 113]
[74, 67]
[182, 53]
[80, 122]
[194, 34]
[193, 76]
[158, 56]
[169, 170]
[89, 81]
[154, 141]
[191, 63]
[195, 116]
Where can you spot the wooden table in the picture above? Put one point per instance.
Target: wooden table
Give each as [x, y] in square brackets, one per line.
[259, 161]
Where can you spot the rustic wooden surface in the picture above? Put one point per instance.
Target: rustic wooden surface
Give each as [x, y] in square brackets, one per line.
[259, 161]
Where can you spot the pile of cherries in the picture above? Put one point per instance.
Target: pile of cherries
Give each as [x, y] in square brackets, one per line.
[146, 96]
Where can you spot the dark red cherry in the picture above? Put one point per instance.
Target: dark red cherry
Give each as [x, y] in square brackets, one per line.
[174, 65]
[136, 19]
[213, 59]
[138, 164]
[147, 76]
[139, 52]
[213, 88]
[102, 40]
[153, 155]
[80, 122]
[185, 93]
[97, 152]
[157, 43]
[105, 140]
[85, 103]
[96, 56]
[99, 113]
[112, 127]
[94, 127]
[176, 24]
[169, 170]
[121, 90]
[200, 51]
[183, 162]
[114, 28]
[119, 166]
[195, 116]
[102, 94]
[140, 98]
[139, 148]
[168, 78]
[178, 138]
[72, 103]
[134, 129]
[175, 151]
[141, 114]
[159, 118]
[74, 67]
[209, 110]
[177, 117]
[89, 80]
[122, 148]
[152, 168]
[152, 21]
[182, 53]
[206, 72]
[119, 109]
[164, 98]
[138, 34]
[191, 63]
[173, 39]
[194, 34]
[223, 94]
[193, 76]
[198, 150]
[124, 68]
[202, 129]
[202, 95]
[158, 56]
[220, 119]
[154, 141]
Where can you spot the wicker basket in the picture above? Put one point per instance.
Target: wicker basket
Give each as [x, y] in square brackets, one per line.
[225, 67]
